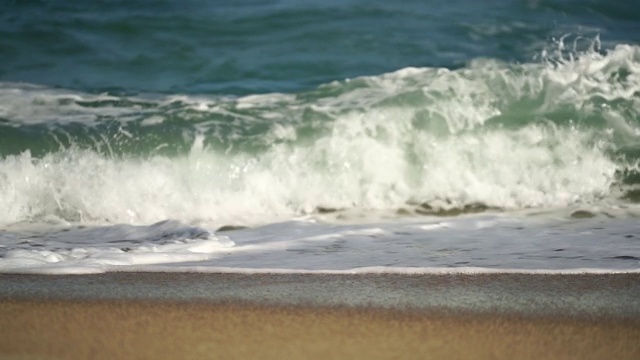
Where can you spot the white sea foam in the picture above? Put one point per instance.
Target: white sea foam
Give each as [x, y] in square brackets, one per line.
[30, 103]
[529, 137]
[388, 270]
[103, 255]
[471, 244]
[415, 135]
[536, 166]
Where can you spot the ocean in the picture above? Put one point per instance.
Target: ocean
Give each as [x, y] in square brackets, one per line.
[346, 136]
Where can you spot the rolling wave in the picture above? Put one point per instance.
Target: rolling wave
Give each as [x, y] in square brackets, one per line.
[490, 135]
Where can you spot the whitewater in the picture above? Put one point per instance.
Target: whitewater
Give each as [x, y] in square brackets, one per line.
[491, 167]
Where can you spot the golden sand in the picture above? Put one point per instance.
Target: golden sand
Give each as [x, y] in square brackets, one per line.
[40, 329]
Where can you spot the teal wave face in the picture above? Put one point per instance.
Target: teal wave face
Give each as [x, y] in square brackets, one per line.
[490, 135]
[591, 93]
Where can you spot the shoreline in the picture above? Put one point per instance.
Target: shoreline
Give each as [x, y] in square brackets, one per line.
[585, 295]
[235, 316]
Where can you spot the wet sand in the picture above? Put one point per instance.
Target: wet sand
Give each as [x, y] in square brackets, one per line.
[225, 316]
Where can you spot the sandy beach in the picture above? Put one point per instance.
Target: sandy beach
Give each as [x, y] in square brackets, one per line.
[53, 322]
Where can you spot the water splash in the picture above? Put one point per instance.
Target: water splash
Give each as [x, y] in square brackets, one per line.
[506, 136]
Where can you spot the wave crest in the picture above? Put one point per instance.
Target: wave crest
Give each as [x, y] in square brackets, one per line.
[509, 136]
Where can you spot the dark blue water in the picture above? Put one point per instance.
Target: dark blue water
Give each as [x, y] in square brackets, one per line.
[248, 47]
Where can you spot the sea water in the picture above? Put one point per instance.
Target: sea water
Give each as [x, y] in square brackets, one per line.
[329, 137]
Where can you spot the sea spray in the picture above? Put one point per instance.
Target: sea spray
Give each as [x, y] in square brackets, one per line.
[503, 135]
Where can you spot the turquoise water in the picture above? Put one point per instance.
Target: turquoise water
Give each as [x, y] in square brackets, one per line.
[249, 47]
[152, 123]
